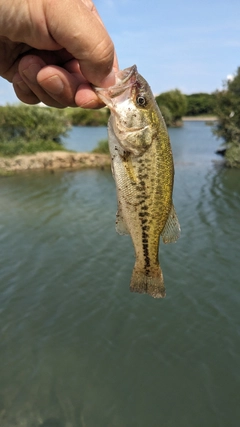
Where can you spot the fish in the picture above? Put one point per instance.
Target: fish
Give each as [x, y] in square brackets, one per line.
[143, 170]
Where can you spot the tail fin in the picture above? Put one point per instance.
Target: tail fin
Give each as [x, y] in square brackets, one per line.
[148, 283]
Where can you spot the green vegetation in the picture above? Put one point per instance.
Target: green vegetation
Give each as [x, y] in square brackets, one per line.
[167, 115]
[84, 117]
[25, 129]
[30, 129]
[173, 105]
[228, 126]
[102, 147]
[201, 104]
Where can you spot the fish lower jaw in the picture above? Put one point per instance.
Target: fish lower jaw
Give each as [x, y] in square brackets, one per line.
[150, 283]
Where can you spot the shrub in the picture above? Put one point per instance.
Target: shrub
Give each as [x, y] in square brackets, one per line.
[102, 147]
[20, 146]
[228, 126]
[28, 129]
[167, 115]
[87, 117]
[176, 103]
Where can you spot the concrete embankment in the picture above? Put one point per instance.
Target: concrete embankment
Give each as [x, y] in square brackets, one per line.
[199, 119]
[54, 160]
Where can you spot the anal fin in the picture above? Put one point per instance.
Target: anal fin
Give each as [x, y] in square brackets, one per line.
[121, 226]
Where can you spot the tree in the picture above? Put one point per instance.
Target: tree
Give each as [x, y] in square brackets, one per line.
[200, 103]
[167, 115]
[228, 113]
[175, 102]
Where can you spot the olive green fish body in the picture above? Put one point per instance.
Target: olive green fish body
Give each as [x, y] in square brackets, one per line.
[143, 170]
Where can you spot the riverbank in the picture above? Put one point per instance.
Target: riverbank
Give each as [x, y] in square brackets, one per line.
[54, 160]
[199, 118]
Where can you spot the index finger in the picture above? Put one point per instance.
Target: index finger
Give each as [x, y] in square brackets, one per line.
[77, 27]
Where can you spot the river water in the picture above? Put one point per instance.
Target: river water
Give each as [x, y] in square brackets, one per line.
[77, 349]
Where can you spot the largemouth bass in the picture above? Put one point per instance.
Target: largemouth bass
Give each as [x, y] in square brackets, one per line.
[142, 166]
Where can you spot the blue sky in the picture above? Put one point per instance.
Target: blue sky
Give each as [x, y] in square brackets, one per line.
[189, 45]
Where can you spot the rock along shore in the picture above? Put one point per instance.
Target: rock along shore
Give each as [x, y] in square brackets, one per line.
[54, 160]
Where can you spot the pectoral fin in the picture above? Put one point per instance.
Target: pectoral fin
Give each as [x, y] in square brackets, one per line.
[171, 231]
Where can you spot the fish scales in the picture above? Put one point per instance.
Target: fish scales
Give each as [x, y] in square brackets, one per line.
[142, 166]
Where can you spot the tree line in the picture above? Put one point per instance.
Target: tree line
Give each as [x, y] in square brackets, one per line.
[28, 129]
[174, 105]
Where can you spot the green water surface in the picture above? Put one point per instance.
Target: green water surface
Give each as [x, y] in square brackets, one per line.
[77, 349]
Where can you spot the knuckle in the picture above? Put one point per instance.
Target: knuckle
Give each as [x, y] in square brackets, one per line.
[104, 53]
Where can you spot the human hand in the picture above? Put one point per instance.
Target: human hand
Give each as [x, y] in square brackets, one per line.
[52, 50]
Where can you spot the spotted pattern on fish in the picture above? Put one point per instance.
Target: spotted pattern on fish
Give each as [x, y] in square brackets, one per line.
[142, 166]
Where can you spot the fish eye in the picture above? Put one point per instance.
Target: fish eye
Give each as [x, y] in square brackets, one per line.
[141, 100]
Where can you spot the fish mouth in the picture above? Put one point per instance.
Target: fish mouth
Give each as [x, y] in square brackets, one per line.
[125, 79]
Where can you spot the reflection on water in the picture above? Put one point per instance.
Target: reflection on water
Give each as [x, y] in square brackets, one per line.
[77, 348]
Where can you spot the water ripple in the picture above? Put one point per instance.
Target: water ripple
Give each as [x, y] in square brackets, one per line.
[77, 348]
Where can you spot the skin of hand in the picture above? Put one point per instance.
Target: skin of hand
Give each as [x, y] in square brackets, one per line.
[53, 50]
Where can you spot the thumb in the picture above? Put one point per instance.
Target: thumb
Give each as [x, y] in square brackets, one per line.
[79, 30]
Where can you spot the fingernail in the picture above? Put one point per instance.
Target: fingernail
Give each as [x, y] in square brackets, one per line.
[23, 87]
[31, 72]
[53, 85]
[19, 84]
